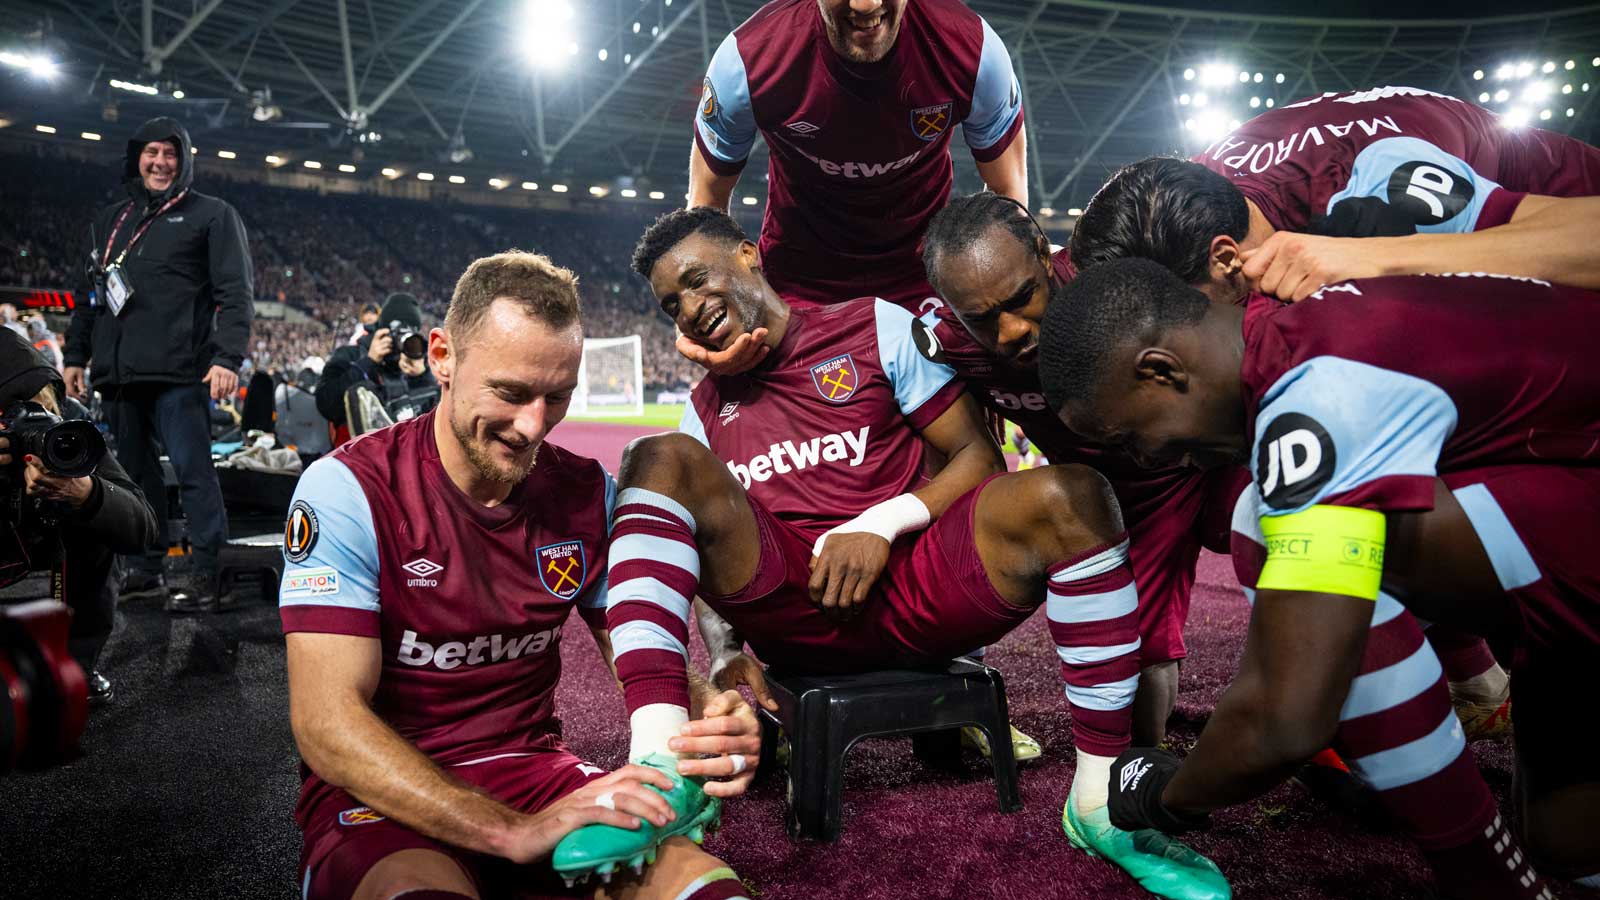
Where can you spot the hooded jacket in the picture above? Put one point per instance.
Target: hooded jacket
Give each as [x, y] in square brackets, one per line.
[116, 518]
[404, 395]
[190, 273]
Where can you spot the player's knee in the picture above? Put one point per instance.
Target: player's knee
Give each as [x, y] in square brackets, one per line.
[668, 463]
[1073, 506]
[408, 872]
[679, 863]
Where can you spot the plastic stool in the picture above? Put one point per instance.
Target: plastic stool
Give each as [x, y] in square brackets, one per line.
[261, 555]
[823, 716]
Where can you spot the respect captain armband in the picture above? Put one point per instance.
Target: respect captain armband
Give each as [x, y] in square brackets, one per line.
[1324, 550]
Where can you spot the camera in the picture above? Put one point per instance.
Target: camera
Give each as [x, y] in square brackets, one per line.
[44, 696]
[410, 341]
[70, 448]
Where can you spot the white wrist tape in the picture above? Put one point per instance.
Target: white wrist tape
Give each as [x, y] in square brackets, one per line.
[888, 520]
[652, 726]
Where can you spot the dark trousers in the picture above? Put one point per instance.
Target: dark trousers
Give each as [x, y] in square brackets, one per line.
[179, 416]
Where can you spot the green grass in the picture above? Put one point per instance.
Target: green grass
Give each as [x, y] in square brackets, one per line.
[656, 415]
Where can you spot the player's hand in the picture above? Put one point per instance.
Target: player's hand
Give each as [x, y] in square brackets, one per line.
[411, 368]
[727, 731]
[77, 384]
[382, 343]
[1138, 778]
[733, 671]
[38, 482]
[223, 381]
[620, 799]
[744, 354]
[1293, 266]
[845, 570]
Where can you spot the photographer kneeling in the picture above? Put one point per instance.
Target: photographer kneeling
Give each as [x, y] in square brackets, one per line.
[390, 359]
[68, 508]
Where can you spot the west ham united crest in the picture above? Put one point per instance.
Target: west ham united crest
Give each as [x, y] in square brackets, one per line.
[928, 122]
[835, 379]
[561, 568]
[359, 815]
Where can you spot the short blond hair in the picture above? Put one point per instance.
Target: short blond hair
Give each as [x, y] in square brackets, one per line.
[538, 287]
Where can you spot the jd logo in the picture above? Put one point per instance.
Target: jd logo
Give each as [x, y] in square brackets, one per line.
[1428, 194]
[1294, 459]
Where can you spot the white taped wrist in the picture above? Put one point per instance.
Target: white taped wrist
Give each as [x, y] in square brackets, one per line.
[888, 520]
[653, 725]
[1092, 781]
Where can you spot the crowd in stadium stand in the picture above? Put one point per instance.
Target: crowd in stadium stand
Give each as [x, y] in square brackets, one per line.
[327, 255]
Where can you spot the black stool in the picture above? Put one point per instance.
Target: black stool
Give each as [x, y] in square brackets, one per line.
[260, 555]
[824, 715]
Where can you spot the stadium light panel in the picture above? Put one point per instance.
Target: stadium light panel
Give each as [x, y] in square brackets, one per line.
[530, 185]
[1483, 97]
[227, 154]
[655, 30]
[311, 164]
[178, 95]
[1595, 61]
[1515, 117]
[1524, 69]
[1188, 74]
[347, 168]
[133, 87]
[45, 129]
[1536, 91]
[1270, 102]
[391, 174]
[596, 190]
[1183, 99]
[630, 193]
[1548, 67]
[497, 183]
[1216, 73]
[1244, 77]
[1047, 211]
[1544, 115]
[1505, 71]
[1502, 95]
[627, 58]
[1201, 99]
[424, 176]
[1255, 102]
[1571, 112]
[658, 195]
[1570, 64]
[1279, 78]
[1566, 89]
[1259, 77]
[636, 28]
[602, 54]
[274, 160]
[750, 201]
[458, 179]
[559, 188]
[1074, 212]
[40, 66]
[545, 31]
[1210, 125]
[89, 136]
[1477, 74]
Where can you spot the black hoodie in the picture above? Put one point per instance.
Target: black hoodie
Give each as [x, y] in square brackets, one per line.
[190, 273]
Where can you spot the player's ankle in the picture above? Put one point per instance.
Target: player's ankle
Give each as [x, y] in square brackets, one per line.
[653, 725]
[1490, 685]
[1091, 784]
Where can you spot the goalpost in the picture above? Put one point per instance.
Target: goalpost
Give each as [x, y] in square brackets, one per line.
[610, 378]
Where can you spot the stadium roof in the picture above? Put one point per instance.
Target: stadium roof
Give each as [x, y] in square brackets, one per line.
[454, 83]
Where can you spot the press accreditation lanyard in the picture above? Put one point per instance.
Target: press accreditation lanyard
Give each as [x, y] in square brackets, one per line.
[145, 226]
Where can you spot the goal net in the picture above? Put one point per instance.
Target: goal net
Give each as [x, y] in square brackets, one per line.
[610, 378]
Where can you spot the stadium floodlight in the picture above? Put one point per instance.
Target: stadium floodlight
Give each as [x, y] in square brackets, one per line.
[1515, 117]
[1571, 112]
[627, 59]
[1502, 95]
[655, 30]
[1505, 71]
[458, 179]
[347, 168]
[559, 188]
[1188, 74]
[530, 185]
[1477, 74]
[1524, 69]
[658, 195]
[1270, 102]
[89, 135]
[390, 173]
[178, 95]
[274, 160]
[1259, 77]
[1279, 78]
[603, 54]
[596, 190]
[1183, 99]
[630, 193]
[1566, 89]
[1570, 64]
[1216, 73]
[546, 31]
[311, 164]
[1074, 212]
[751, 201]
[1244, 77]
[1544, 115]
[1211, 124]
[1047, 211]
[227, 154]
[45, 129]
[1483, 97]
[133, 87]
[1536, 91]
[1201, 99]
[1255, 102]
[636, 28]
[424, 176]
[1595, 61]
[40, 66]
[498, 184]
[1548, 67]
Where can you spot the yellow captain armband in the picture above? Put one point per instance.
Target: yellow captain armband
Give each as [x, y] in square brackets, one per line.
[1324, 550]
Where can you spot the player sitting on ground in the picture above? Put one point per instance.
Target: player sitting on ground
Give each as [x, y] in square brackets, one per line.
[1466, 489]
[795, 502]
[431, 567]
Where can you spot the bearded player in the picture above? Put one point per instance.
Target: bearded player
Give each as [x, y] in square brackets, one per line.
[857, 101]
[796, 502]
[1446, 458]
[431, 568]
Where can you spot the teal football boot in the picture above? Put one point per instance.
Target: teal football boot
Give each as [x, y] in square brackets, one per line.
[600, 849]
[1163, 866]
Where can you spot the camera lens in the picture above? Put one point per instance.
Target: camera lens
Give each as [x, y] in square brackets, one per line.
[414, 345]
[72, 449]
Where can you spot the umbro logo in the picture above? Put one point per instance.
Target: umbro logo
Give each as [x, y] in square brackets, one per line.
[1132, 772]
[423, 568]
[803, 128]
[730, 411]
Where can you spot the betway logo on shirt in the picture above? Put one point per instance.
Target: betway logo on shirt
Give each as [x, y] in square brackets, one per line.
[485, 648]
[860, 169]
[848, 447]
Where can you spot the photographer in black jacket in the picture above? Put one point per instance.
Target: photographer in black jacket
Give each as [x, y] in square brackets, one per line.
[70, 526]
[166, 332]
[390, 359]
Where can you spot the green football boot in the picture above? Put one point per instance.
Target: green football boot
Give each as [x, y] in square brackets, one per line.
[600, 849]
[1163, 866]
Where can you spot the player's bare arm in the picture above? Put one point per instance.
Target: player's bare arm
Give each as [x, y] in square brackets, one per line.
[730, 665]
[850, 558]
[332, 678]
[707, 188]
[1007, 173]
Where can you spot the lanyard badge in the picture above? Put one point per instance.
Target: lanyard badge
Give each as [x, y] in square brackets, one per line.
[117, 289]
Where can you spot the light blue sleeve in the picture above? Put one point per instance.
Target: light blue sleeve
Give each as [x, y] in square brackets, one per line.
[915, 377]
[339, 567]
[996, 97]
[1437, 190]
[595, 596]
[725, 119]
[691, 425]
[1331, 425]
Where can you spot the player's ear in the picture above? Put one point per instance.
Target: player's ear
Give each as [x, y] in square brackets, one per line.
[1224, 261]
[1160, 366]
[749, 256]
[441, 355]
